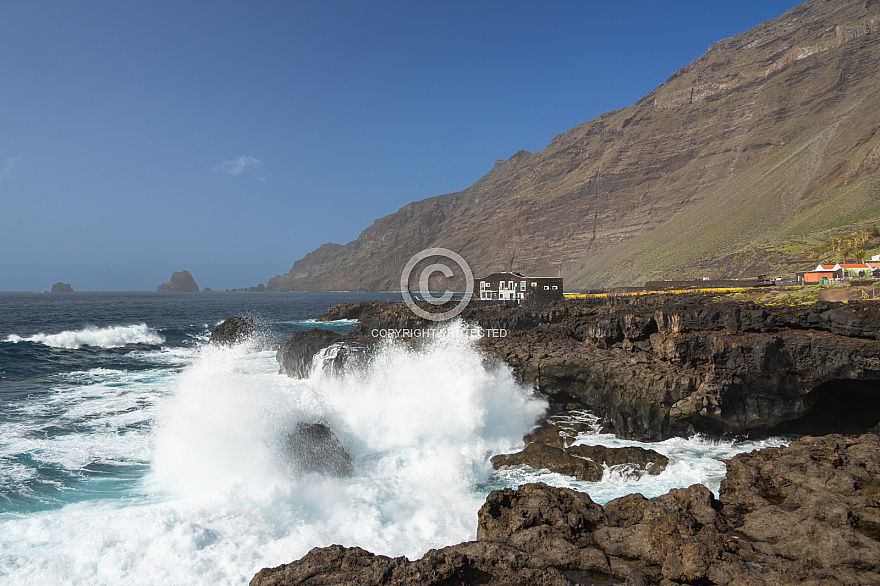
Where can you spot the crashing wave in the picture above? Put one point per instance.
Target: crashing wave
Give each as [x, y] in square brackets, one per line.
[109, 337]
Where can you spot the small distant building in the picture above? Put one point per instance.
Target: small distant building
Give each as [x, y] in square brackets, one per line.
[511, 285]
[823, 274]
[861, 269]
[841, 270]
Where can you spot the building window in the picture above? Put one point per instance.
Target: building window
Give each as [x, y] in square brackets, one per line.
[522, 285]
[534, 284]
[501, 286]
[482, 285]
[510, 285]
[546, 287]
[555, 287]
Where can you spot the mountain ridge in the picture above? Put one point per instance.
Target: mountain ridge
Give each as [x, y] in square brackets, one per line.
[732, 167]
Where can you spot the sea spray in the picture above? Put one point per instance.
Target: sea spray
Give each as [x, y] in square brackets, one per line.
[226, 423]
[419, 424]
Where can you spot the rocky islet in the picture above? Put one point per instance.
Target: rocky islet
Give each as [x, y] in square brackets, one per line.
[180, 282]
[60, 287]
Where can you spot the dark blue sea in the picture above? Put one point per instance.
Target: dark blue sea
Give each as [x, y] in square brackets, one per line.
[133, 453]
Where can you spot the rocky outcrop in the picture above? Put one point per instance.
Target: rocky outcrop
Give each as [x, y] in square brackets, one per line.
[549, 447]
[314, 448]
[180, 282]
[804, 514]
[777, 123]
[233, 330]
[295, 356]
[539, 455]
[814, 504]
[60, 287]
[584, 462]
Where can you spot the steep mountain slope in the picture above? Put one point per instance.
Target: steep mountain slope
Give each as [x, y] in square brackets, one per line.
[727, 169]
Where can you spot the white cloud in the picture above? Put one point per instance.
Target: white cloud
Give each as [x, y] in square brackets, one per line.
[238, 166]
[8, 167]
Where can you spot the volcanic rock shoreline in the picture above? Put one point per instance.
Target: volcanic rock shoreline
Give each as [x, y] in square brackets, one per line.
[654, 367]
[808, 513]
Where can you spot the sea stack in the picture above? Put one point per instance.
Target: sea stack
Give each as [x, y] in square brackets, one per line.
[180, 282]
[60, 287]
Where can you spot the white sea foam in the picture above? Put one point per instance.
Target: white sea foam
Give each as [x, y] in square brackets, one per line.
[168, 356]
[694, 460]
[100, 416]
[109, 337]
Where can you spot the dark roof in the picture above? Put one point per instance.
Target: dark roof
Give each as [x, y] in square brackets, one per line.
[515, 274]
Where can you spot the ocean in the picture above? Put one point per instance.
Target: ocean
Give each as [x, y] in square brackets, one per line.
[131, 452]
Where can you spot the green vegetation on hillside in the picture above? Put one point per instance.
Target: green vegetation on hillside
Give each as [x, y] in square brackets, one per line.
[853, 247]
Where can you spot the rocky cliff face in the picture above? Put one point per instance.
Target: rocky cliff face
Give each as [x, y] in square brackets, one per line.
[676, 369]
[804, 514]
[720, 171]
[180, 282]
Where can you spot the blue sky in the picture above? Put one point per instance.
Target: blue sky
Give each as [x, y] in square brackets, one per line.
[232, 138]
